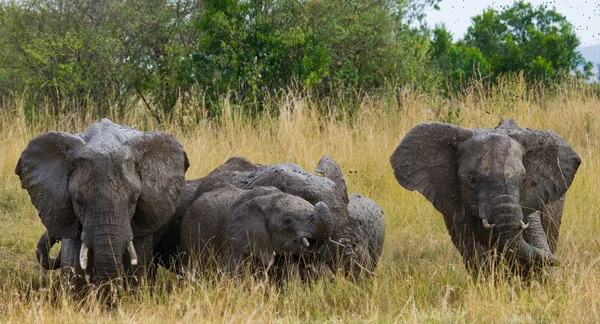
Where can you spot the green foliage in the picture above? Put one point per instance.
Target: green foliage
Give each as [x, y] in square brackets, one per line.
[96, 53]
[105, 55]
[255, 47]
[459, 63]
[537, 41]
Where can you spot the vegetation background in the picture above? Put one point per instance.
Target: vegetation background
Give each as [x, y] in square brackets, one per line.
[293, 80]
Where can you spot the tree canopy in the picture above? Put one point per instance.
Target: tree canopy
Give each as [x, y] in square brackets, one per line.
[104, 54]
[538, 41]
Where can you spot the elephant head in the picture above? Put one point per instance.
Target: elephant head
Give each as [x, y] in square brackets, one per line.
[259, 223]
[291, 223]
[105, 188]
[483, 181]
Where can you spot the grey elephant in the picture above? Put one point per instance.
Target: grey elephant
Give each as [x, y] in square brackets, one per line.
[234, 227]
[347, 245]
[103, 193]
[501, 190]
[366, 219]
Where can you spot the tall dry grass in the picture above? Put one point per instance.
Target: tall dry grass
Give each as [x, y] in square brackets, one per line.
[420, 278]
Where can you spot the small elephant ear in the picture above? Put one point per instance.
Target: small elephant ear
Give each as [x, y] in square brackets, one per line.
[426, 161]
[161, 163]
[550, 165]
[44, 169]
[331, 170]
[249, 227]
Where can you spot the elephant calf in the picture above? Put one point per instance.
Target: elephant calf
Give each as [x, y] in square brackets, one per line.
[356, 225]
[499, 190]
[232, 226]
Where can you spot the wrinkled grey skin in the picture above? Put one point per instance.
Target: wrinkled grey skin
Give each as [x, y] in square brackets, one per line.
[367, 223]
[484, 181]
[105, 187]
[366, 219]
[233, 226]
[290, 178]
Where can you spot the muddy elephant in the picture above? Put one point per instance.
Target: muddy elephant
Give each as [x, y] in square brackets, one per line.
[235, 227]
[487, 183]
[346, 248]
[103, 193]
[366, 219]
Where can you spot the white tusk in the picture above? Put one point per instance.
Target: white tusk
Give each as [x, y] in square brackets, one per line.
[337, 243]
[305, 242]
[487, 225]
[364, 269]
[524, 226]
[83, 256]
[132, 254]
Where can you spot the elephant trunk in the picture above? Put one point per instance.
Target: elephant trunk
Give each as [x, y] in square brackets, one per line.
[42, 252]
[504, 214]
[108, 249]
[105, 242]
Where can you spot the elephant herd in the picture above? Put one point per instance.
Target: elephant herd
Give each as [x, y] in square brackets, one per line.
[118, 201]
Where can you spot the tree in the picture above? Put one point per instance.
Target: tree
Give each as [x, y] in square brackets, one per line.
[539, 41]
[458, 63]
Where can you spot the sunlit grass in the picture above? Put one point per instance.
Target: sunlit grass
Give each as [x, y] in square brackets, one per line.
[420, 278]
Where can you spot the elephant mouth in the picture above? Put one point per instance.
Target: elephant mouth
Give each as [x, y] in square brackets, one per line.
[515, 244]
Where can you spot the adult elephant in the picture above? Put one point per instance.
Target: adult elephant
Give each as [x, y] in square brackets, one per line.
[104, 193]
[232, 227]
[487, 183]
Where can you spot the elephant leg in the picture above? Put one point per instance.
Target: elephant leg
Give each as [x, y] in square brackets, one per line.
[463, 235]
[145, 267]
[551, 220]
[73, 277]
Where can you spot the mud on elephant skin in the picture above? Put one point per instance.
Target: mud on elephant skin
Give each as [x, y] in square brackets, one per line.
[328, 187]
[292, 179]
[234, 227]
[485, 182]
[103, 193]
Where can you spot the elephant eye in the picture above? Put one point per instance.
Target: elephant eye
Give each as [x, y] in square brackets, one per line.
[472, 178]
[79, 199]
[287, 221]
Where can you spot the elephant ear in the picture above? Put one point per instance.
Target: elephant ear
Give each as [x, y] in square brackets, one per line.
[426, 161]
[550, 165]
[328, 168]
[44, 168]
[161, 164]
[249, 226]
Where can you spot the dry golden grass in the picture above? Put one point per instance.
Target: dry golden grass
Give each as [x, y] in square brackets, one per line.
[421, 277]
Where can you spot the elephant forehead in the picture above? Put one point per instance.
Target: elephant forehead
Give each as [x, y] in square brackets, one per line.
[104, 154]
[287, 202]
[108, 134]
[492, 153]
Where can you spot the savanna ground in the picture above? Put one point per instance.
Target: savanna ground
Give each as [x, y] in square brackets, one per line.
[421, 277]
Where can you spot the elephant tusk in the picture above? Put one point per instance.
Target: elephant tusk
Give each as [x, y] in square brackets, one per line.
[337, 243]
[83, 256]
[305, 242]
[487, 225]
[524, 226]
[132, 254]
[363, 268]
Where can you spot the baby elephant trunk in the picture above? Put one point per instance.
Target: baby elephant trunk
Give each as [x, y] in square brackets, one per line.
[322, 216]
